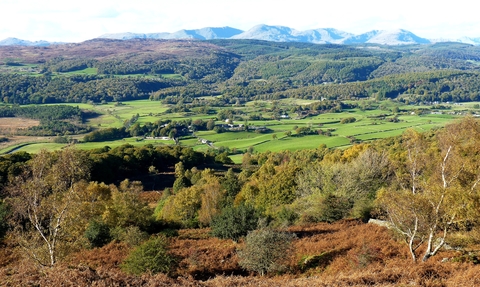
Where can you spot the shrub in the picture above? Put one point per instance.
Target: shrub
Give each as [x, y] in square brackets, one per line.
[265, 251]
[348, 120]
[333, 208]
[234, 222]
[152, 257]
[326, 208]
[97, 233]
[3, 219]
[287, 216]
[132, 235]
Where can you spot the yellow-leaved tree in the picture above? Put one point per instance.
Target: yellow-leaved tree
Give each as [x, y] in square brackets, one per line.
[436, 187]
[41, 199]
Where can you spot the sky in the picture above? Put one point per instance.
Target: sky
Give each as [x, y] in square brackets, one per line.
[76, 21]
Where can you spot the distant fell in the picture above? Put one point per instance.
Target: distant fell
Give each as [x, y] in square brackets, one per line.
[274, 33]
[287, 34]
[207, 33]
[20, 42]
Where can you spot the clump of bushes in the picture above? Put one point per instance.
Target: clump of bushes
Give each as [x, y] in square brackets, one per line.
[348, 120]
[266, 251]
[152, 256]
[234, 222]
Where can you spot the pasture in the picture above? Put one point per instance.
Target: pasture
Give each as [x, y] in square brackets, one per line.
[369, 125]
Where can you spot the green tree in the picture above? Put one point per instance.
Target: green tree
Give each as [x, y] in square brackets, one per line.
[152, 256]
[235, 222]
[184, 206]
[270, 186]
[232, 186]
[97, 233]
[210, 124]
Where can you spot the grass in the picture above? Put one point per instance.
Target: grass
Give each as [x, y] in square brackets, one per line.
[36, 147]
[369, 125]
[86, 71]
[172, 76]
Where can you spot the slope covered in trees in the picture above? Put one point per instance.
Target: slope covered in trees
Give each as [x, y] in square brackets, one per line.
[125, 70]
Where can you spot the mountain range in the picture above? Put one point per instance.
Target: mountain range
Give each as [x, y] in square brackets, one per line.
[276, 34]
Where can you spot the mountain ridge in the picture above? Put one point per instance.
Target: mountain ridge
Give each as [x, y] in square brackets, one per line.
[273, 33]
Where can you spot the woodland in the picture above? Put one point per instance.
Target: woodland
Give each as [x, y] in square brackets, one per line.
[395, 211]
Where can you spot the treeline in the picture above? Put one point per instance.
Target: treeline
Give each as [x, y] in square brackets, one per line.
[55, 128]
[161, 128]
[55, 120]
[429, 86]
[22, 89]
[108, 134]
[51, 112]
[111, 165]
[62, 65]
[308, 70]
[215, 67]
[127, 161]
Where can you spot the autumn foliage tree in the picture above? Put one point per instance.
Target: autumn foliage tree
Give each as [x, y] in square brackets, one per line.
[41, 200]
[437, 186]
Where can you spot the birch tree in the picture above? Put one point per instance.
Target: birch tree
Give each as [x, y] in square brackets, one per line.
[41, 199]
[437, 186]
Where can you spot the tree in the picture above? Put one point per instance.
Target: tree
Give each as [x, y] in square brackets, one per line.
[41, 199]
[126, 207]
[232, 186]
[211, 199]
[270, 186]
[210, 124]
[152, 256]
[430, 198]
[265, 251]
[183, 207]
[97, 233]
[234, 222]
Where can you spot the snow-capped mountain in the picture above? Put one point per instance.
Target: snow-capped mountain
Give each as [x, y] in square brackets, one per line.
[322, 36]
[333, 36]
[469, 40]
[387, 37]
[269, 33]
[20, 42]
[207, 33]
[276, 34]
[286, 34]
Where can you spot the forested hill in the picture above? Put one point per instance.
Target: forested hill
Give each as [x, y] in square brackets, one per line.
[113, 70]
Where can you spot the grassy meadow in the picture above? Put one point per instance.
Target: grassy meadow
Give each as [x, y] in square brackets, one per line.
[369, 125]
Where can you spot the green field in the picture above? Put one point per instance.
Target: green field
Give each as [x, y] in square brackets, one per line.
[87, 71]
[369, 125]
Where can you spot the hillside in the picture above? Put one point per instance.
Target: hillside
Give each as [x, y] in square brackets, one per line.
[221, 66]
[238, 162]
